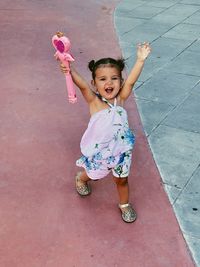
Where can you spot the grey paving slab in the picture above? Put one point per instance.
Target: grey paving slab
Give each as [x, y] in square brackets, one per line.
[196, 89]
[184, 31]
[181, 10]
[186, 63]
[128, 5]
[177, 154]
[126, 24]
[194, 19]
[187, 115]
[169, 48]
[124, 7]
[191, 2]
[145, 11]
[194, 245]
[164, 49]
[147, 31]
[164, 3]
[164, 19]
[167, 87]
[152, 113]
[187, 206]
[176, 13]
[195, 47]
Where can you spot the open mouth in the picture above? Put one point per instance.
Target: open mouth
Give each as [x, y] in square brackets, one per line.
[109, 90]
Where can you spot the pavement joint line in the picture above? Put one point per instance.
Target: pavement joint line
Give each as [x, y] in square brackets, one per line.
[174, 107]
[187, 74]
[194, 4]
[182, 129]
[160, 123]
[185, 185]
[185, 49]
[197, 11]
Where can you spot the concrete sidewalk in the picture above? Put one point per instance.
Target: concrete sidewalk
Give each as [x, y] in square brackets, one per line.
[168, 97]
[43, 222]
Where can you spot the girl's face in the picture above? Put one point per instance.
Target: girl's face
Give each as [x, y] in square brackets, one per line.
[107, 81]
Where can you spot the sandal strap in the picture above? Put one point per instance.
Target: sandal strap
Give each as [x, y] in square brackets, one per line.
[121, 206]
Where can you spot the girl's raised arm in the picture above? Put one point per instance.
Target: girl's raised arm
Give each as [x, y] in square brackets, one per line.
[143, 50]
[81, 83]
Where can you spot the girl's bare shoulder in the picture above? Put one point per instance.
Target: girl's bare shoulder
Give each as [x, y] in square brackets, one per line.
[97, 105]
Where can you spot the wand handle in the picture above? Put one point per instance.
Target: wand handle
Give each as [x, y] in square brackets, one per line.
[70, 88]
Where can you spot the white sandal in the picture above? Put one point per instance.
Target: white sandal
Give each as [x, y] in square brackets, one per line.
[128, 213]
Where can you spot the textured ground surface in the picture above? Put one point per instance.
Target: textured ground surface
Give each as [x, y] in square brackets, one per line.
[43, 222]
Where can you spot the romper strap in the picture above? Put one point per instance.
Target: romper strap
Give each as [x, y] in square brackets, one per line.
[109, 104]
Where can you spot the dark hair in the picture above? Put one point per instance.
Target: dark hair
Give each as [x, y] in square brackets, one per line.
[111, 62]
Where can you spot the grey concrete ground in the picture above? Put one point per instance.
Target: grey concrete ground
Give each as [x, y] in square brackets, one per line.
[168, 97]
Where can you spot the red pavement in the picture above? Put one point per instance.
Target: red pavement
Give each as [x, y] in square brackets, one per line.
[43, 222]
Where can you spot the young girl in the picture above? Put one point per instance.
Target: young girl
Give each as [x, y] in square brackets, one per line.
[108, 141]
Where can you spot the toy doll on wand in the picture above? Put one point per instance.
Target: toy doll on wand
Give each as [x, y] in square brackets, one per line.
[62, 45]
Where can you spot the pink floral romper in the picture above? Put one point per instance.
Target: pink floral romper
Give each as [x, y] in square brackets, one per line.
[107, 143]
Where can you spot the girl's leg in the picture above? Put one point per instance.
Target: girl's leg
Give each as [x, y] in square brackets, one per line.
[83, 178]
[128, 213]
[123, 189]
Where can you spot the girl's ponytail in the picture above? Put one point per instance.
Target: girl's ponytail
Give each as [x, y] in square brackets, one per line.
[120, 63]
[91, 65]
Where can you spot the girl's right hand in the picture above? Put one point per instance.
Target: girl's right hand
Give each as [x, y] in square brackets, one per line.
[63, 68]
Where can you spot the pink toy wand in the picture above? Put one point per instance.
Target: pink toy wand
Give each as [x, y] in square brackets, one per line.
[62, 45]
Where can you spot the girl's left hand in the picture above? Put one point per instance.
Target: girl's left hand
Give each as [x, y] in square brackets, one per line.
[143, 50]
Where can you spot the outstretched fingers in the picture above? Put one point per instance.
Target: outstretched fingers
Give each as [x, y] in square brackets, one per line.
[143, 50]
